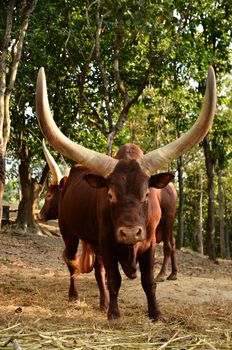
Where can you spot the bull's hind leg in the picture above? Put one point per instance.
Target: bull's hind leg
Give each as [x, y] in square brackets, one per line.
[71, 260]
[169, 252]
[166, 256]
[173, 275]
[165, 233]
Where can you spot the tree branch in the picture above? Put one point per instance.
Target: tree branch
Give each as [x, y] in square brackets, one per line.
[82, 76]
[3, 56]
[16, 53]
[152, 64]
[117, 76]
[106, 96]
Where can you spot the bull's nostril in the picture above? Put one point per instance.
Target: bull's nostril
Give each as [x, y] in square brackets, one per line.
[130, 234]
[123, 234]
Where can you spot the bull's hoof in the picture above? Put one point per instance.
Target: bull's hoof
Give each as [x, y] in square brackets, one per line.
[104, 306]
[73, 298]
[113, 315]
[159, 278]
[156, 317]
[172, 277]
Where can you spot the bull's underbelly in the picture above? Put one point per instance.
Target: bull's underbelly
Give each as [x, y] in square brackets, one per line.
[76, 227]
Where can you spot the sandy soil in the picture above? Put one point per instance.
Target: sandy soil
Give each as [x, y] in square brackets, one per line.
[34, 310]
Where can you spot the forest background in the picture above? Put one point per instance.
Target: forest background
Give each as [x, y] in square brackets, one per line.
[118, 72]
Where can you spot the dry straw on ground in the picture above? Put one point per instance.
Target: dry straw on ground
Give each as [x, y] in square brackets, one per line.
[35, 314]
[189, 327]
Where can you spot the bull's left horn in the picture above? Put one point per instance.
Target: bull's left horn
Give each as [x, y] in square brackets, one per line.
[154, 160]
[53, 166]
[96, 161]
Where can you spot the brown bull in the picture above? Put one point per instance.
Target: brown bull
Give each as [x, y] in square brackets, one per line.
[49, 211]
[167, 200]
[120, 209]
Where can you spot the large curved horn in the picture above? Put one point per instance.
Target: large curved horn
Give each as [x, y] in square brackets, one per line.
[96, 161]
[53, 166]
[154, 160]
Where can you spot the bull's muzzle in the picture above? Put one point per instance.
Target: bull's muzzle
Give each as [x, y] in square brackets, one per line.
[130, 235]
[40, 217]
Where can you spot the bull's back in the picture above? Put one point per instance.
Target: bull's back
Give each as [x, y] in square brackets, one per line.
[77, 209]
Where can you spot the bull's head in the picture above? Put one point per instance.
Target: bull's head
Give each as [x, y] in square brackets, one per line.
[129, 190]
[112, 170]
[49, 211]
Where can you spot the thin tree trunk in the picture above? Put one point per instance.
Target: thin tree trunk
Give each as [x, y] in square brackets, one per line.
[210, 224]
[8, 72]
[180, 231]
[227, 234]
[110, 140]
[31, 191]
[3, 69]
[221, 216]
[198, 227]
[25, 216]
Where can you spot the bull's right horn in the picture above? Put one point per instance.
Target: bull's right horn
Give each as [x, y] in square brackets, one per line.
[95, 161]
[53, 166]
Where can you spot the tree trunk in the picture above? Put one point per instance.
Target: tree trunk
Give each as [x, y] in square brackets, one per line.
[25, 216]
[221, 216]
[199, 225]
[110, 140]
[227, 234]
[180, 232]
[2, 182]
[10, 57]
[210, 224]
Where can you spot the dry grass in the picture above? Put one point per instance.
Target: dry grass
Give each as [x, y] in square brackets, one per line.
[35, 313]
[38, 317]
[180, 333]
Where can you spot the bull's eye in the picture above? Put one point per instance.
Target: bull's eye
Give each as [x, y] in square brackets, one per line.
[145, 197]
[112, 196]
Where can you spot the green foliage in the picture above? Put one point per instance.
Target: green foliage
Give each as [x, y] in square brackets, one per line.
[11, 191]
[62, 38]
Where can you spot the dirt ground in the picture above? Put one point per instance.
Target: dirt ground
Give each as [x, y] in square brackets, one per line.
[35, 313]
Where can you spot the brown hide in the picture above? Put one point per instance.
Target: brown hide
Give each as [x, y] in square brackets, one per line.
[49, 211]
[167, 197]
[104, 213]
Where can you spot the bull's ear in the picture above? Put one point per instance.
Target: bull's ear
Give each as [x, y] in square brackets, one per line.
[62, 182]
[95, 181]
[160, 180]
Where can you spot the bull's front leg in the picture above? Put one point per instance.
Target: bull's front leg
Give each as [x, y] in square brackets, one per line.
[113, 281]
[146, 263]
